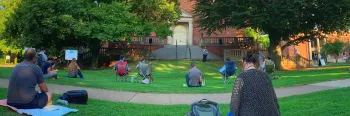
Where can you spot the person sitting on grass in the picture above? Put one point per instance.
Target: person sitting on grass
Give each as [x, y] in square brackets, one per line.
[24, 78]
[48, 69]
[143, 61]
[74, 70]
[194, 78]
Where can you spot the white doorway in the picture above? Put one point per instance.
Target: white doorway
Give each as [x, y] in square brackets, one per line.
[180, 35]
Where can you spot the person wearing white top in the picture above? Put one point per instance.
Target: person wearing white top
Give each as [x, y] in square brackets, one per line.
[205, 54]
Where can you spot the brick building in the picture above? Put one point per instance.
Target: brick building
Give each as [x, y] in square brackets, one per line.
[309, 50]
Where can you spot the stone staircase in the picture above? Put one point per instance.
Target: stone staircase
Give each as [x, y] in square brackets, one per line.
[171, 52]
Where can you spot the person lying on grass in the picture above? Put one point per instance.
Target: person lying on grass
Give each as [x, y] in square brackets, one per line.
[194, 78]
[24, 78]
[74, 70]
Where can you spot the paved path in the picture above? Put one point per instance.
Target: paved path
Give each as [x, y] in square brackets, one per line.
[172, 99]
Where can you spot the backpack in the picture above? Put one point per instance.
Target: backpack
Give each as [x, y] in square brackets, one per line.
[75, 96]
[205, 107]
[39, 60]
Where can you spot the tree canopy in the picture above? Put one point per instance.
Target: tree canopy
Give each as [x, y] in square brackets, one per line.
[333, 48]
[7, 8]
[281, 19]
[260, 37]
[57, 24]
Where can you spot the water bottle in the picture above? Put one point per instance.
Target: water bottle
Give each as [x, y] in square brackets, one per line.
[64, 102]
[132, 79]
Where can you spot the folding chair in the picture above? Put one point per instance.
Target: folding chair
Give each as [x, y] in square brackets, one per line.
[144, 71]
[270, 69]
[230, 71]
[122, 71]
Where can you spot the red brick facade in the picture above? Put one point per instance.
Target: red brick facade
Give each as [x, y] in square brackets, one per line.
[188, 6]
[303, 48]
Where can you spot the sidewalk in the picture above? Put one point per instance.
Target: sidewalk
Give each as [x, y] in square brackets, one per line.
[172, 99]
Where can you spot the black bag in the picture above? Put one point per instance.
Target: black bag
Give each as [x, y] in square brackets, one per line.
[75, 96]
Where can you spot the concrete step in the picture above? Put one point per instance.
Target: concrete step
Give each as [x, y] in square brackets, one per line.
[169, 52]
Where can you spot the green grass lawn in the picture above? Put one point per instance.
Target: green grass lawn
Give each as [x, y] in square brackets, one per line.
[169, 78]
[325, 103]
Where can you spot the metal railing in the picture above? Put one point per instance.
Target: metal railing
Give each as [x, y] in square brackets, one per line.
[227, 41]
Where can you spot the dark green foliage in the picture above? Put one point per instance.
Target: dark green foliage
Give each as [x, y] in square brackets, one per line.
[281, 19]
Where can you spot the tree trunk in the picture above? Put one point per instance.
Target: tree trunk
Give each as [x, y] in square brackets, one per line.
[336, 59]
[95, 47]
[274, 48]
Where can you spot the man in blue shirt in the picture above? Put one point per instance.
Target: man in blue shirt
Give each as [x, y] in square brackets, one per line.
[24, 78]
[48, 70]
[122, 58]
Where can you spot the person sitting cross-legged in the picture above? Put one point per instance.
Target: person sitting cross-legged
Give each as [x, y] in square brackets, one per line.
[194, 78]
[48, 69]
[74, 70]
[25, 77]
[229, 69]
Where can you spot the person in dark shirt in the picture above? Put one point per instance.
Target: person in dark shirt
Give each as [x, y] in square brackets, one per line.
[48, 70]
[253, 93]
[24, 78]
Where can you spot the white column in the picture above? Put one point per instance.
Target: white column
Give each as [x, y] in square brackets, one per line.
[318, 48]
[190, 32]
[309, 50]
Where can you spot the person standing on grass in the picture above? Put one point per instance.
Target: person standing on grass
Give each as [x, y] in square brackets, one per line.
[253, 93]
[205, 54]
[24, 78]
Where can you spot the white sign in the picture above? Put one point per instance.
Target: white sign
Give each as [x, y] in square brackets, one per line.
[70, 54]
[8, 57]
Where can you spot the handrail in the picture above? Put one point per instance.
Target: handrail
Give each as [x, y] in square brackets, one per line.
[227, 41]
[299, 59]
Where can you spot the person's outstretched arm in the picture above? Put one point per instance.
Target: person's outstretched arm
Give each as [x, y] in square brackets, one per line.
[235, 98]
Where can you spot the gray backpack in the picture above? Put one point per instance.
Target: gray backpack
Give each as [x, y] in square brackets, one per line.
[204, 107]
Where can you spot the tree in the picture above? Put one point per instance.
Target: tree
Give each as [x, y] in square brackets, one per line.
[333, 49]
[281, 19]
[6, 9]
[260, 37]
[57, 24]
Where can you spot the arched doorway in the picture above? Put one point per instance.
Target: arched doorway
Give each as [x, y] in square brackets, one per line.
[180, 35]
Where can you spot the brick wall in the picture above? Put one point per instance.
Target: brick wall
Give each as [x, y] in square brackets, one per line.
[188, 6]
